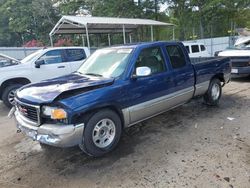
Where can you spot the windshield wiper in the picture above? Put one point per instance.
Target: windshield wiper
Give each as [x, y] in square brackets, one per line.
[94, 74]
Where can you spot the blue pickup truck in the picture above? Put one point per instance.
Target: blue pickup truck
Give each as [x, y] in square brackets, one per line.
[115, 88]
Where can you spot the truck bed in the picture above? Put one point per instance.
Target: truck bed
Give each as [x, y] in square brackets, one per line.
[198, 60]
[206, 67]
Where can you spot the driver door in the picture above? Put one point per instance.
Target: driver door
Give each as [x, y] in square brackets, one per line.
[149, 95]
[55, 65]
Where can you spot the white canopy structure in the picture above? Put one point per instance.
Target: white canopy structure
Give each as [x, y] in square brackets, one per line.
[102, 25]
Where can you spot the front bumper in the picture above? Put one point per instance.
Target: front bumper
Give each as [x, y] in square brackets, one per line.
[51, 134]
[240, 71]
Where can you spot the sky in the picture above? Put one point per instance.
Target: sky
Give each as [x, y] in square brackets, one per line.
[163, 7]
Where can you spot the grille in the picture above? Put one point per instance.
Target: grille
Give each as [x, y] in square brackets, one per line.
[29, 112]
[240, 64]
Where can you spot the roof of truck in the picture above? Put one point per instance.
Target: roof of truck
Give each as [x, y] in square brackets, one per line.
[143, 44]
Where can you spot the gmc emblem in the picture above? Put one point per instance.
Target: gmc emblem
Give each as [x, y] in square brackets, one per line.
[23, 110]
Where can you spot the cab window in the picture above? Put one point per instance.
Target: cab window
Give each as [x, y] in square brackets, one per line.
[187, 48]
[152, 58]
[75, 55]
[203, 48]
[195, 48]
[176, 56]
[52, 57]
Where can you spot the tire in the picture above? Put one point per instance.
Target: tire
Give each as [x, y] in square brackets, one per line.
[101, 133]
[8, 94]
[213, 94]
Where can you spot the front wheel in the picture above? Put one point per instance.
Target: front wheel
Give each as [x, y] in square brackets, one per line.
[102, 133]
[213, 93]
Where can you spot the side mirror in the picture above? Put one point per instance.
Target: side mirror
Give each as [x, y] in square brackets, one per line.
[142, 71]
[38, 63]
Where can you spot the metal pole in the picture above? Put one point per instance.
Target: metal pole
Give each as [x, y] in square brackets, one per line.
[152, 33]
[87, 35]
[51, 40]
[109, 40]
[173, 33]
[211, 40]
[130, 38]
[83, 40]
[124, 34]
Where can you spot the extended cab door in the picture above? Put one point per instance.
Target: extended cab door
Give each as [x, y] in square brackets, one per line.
[183, 72]
[53, 64]
[75, 58]
[150, 95]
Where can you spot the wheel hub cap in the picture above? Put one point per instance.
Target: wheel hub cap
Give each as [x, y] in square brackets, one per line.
[215, 91]
[11, 96]
[103, 133]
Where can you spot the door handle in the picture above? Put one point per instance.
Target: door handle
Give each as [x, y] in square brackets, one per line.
[60, 67]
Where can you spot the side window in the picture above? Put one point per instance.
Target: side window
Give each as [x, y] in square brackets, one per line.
[176, 56]
[75, 54]
[152, 58]
[52, 57]
[203, 48]
[195, 48]
[187, 48]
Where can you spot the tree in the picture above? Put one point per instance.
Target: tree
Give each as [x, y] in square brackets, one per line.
[28, 19]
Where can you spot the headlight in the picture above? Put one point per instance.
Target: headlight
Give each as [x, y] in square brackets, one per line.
[54, 113]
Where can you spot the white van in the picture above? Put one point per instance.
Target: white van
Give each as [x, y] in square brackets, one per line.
[43, 64]
[196, 49]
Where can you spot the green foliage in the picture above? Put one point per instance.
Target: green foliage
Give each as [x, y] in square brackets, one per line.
[209, 18]
[25, 20]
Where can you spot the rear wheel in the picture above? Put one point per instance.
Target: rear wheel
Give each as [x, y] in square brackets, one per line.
[101, 133]
[9, 94]
[212, 97]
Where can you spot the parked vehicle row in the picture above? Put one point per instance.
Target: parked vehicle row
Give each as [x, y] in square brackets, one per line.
[43, 64]
[115, 88]
[240, 56]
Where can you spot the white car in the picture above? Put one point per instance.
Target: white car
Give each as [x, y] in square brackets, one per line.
[196, 49]
[43, 64]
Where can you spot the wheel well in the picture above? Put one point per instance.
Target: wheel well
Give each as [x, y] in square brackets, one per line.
[220, 77]
[6, 83]
[85, 116]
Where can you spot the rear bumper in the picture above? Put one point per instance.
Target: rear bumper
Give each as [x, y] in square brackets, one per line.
[240, 71]
[51, 134]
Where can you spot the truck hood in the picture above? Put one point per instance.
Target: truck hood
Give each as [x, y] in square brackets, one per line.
[49, 90]
[234, 53]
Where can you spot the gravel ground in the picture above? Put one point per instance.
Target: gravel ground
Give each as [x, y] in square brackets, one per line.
[191, 146]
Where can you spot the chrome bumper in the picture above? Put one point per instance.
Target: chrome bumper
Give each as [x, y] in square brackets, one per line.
[51, 134]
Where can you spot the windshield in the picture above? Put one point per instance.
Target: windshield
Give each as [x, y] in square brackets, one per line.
[30, 57]
[107, 62]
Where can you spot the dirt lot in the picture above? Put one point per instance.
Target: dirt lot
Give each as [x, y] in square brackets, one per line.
[191, 146]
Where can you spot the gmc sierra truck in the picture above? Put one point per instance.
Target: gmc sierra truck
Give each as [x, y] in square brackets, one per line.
[115, 88]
